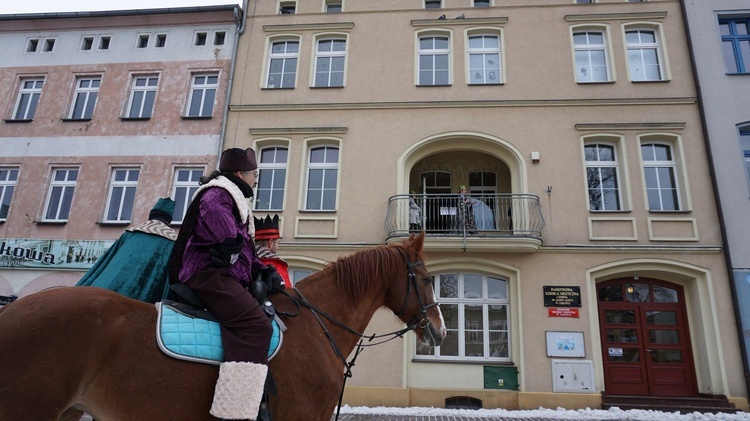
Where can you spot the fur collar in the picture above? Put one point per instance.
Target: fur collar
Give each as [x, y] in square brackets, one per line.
[239, 199]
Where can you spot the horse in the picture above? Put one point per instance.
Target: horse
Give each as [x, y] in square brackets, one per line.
[67, 350]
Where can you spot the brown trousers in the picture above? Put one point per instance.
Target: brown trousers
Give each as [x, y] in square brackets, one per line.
[245, 328]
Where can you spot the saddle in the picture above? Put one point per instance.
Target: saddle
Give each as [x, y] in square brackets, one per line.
[186, 331]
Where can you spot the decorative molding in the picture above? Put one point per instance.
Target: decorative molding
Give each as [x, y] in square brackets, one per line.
[464, 21]
[602, 221]
[598, 17]
[653, 227]
[677, 125]
[309, 27]
[305, 225]
[275, 131]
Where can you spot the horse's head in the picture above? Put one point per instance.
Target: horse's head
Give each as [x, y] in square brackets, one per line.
[413, 299]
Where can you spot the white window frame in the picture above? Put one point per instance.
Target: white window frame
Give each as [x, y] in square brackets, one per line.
[433, 53]
[274, 165]
[285, 57]
[589, 48]
[8, 182]
[599, 165]
[184, 186]
[674, 167]
[484, 52]
[328, 57]
[490, 3]
[285, 5]
[121, 193]
[201, 85]
[425, 2]
[147, 93]
[25, 110]
[330, 170]
[743, 133]
[86, 96]
[634, 53]
[57, 209]
[329, 4]
[460, 331]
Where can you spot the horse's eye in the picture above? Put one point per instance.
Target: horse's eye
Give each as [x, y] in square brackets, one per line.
[429, 280]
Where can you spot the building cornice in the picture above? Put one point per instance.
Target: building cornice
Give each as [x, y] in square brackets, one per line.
[270, 131]
[309, 27]
[499, 20]
[598, 17]
[677, 125]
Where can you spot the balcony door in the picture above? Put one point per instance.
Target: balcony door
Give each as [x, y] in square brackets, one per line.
[645, 339]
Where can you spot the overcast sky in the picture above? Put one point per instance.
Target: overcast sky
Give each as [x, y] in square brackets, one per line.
[47, 6]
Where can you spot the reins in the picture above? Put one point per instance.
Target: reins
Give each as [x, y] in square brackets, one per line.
[417, 322]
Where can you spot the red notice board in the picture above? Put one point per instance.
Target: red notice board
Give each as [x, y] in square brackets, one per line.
[562, 312]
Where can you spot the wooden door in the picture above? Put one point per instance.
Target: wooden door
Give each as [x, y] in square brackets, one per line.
[645, 339]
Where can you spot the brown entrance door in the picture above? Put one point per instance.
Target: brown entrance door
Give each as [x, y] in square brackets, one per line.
[645, 342]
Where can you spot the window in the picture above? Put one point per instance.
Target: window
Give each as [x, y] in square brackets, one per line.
[122, 194]
[142, 96]
[484, 60]
[590, 56]
[143, 41]
[271, 178]
[297, 275]
[745, 145]
[643, 55]
[482, 3]
[28, 98]
[161, 40]
[60, 197]
[602, 177]
[584, 1]
[87, 90]
[322, 178]
[202, 94]
[87, 43]
[475, 308]
[32, 45]
[104, 43]
[219, 37]
[661, 180]
[8, 179]
[200, 38]
[434, 60]
[287, 7]
[735, 42]
[185, 186]
[49, 45]
[433, 4]
[282, 64]
[330, 59]
[334, 6]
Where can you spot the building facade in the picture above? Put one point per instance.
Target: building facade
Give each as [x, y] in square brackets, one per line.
[106, 112]
[585, 257]
[719, 34]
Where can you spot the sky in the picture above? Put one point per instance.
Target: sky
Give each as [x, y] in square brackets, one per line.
[49, 6]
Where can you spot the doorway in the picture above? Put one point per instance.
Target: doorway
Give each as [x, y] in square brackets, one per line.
[645, 338]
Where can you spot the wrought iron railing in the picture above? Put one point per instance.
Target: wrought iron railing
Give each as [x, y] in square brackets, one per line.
[480, 215]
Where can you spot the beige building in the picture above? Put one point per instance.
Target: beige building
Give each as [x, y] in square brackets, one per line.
[587, 261]
[105, 113]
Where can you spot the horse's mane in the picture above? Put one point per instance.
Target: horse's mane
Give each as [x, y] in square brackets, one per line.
[353, 271]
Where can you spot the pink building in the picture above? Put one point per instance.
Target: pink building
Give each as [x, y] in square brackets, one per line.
[104, 113]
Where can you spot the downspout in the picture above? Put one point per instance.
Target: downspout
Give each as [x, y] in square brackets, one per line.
[240, 17]
[717, 199]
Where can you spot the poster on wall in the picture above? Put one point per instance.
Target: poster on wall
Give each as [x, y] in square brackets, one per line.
[31, 253]
[565, 344]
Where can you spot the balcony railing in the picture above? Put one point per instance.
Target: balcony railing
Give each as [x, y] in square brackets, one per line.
[452, 215]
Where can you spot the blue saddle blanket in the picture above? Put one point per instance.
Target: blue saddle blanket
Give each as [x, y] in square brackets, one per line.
[187, 337]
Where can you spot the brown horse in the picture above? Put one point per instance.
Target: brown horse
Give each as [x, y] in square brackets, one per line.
[67, 350]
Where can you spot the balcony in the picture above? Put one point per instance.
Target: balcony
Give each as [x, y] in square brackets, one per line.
[482, 222]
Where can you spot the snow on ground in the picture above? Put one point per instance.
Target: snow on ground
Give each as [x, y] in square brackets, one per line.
[561, 414]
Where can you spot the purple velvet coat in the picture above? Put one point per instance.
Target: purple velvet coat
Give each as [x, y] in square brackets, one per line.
[219, 220]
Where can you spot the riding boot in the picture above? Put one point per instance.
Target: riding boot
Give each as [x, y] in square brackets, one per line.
[239, 390]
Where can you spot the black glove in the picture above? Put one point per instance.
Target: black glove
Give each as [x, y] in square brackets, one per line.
[272, 278]
[224, 254]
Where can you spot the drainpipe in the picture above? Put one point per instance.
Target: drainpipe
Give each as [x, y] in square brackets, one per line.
[717, 200]
[240, 18]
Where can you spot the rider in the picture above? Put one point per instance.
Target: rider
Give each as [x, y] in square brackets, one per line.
[267, 245]
[214, 256]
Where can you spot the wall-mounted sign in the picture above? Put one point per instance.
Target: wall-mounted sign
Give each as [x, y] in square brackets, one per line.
[558, 296]
[565, 344]
[51, 254]
[562, 312]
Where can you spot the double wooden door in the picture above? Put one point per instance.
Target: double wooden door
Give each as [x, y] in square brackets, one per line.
[645, 338]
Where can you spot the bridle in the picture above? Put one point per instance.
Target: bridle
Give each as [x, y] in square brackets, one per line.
[420, 320]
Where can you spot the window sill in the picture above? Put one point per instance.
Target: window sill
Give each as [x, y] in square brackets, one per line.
[597, 82]
[72, 120]
[434, 86]
[326, 87]
[50, 222]
[16, 120]
[113, 223]
[599, 212]
[268, 88]
[650, 81]
[738, 74]
[196, 117]
[670, 211]
[443, 360]
[317, 211]
[135, 118]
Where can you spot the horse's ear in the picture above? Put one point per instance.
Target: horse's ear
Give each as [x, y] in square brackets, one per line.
[416, 242]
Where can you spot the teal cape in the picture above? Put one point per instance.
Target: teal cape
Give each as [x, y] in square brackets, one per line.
[136, 265]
